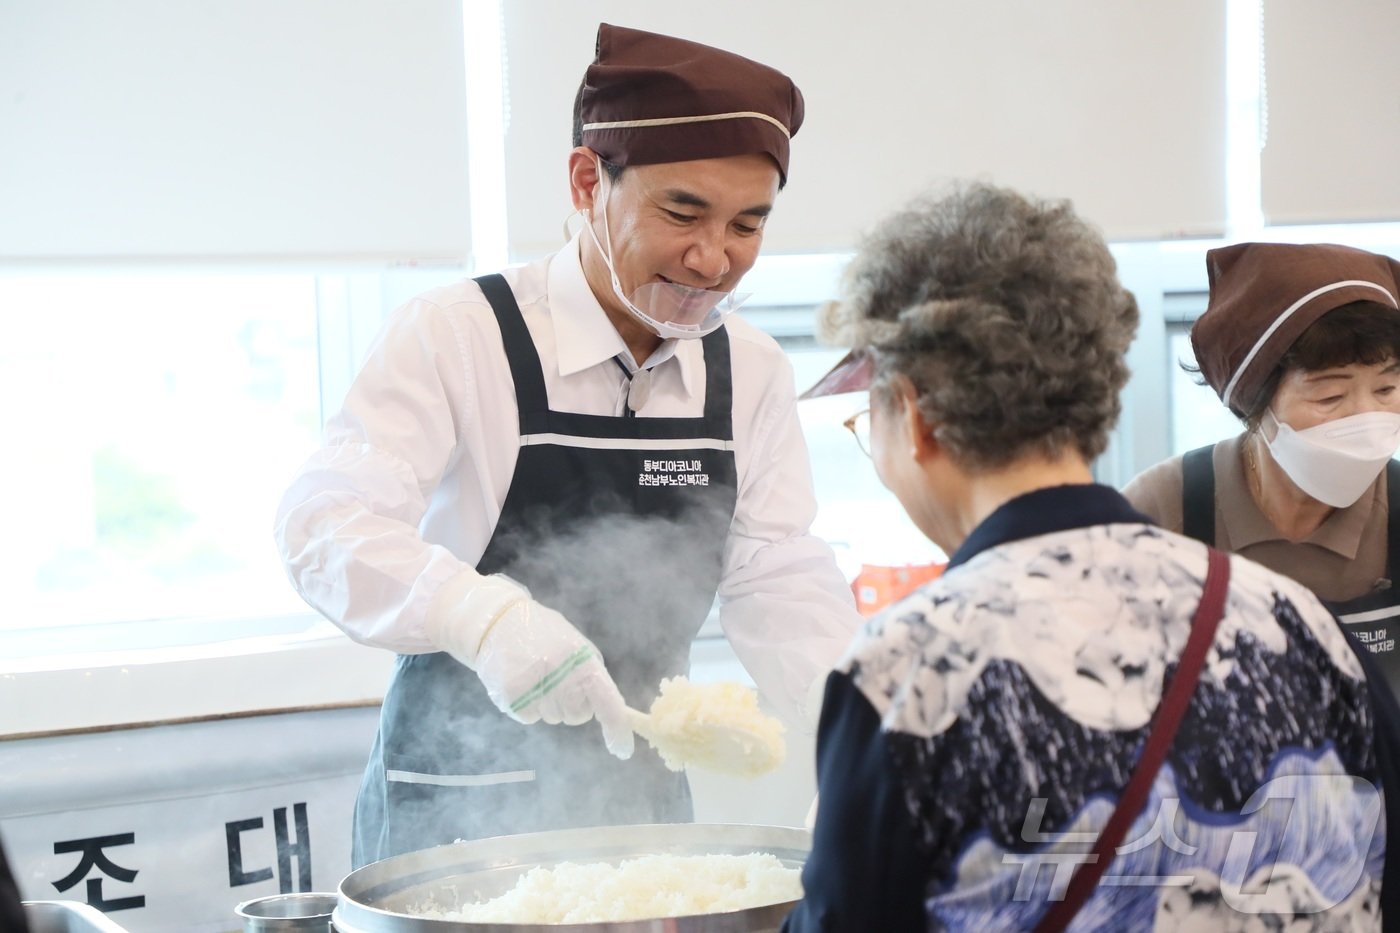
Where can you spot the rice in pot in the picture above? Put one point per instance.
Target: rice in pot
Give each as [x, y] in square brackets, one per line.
[642, 888]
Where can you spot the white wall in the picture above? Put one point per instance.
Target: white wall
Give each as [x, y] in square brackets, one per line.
[1332, 111]
[159, 129]
[335, 130]
[1120, 107]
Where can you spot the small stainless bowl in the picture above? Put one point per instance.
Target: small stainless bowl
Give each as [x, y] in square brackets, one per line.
[283, 913]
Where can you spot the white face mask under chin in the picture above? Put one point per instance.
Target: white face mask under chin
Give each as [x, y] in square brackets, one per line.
[667, 309]
[1336, 461]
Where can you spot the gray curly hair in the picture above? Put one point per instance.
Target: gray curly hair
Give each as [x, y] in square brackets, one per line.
[1006, 314]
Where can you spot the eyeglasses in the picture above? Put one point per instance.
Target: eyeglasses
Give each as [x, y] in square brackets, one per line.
[859, 425]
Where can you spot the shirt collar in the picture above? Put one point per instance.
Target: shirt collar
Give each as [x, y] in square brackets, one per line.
[583, 335]
[1341, 533]
[1044, 511]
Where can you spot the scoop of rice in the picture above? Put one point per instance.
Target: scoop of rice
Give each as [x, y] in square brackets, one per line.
[685, 714]
[642, 888]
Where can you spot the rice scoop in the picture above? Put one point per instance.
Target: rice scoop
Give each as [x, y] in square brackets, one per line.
[715, 726]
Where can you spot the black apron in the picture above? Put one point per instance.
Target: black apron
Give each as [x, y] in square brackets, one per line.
[1372, 620]
[619, 523]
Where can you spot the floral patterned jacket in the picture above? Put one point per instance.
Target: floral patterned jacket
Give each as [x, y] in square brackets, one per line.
[977, 736]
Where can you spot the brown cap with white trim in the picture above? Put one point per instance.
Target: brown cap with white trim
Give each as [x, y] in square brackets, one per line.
[650, 98]
[1263, 296]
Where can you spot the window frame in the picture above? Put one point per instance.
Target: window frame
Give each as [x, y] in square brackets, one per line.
[305, 662]
[61, 679]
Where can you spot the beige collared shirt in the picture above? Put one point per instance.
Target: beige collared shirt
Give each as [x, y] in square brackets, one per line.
[1345, 558]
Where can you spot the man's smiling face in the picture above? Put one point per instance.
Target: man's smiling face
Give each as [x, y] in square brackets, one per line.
[697, 223]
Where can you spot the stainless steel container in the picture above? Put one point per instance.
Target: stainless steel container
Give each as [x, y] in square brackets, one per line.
[377, 898]
[67, 917]
[288, 913]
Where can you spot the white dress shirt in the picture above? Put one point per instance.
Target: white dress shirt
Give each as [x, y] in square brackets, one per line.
[410, 482]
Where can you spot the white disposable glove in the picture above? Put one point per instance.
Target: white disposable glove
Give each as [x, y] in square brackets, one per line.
[534, 664]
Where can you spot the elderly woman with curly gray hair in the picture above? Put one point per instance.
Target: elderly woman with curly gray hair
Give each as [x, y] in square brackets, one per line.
[1086, 718]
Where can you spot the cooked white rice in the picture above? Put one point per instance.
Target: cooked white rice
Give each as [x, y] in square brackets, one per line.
[685, 714]
[636, 889]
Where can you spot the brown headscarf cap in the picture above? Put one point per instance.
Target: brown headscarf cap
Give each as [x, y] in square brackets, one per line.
[650, 98]
[1263, 296]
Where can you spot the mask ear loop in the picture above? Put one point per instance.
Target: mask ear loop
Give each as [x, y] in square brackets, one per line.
[606, 250]
[612, 269]
[1278, 426]
[581, 212]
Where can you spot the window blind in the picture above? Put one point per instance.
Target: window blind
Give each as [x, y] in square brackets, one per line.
[1119, 106]
[1332, 104]
[259, 128]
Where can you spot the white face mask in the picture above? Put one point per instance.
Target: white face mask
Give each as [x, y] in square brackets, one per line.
[667, 309]
[1335, 462]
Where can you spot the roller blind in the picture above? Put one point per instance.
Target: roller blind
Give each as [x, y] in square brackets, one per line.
[1332, 97]
[256, 128]
[1119, 106]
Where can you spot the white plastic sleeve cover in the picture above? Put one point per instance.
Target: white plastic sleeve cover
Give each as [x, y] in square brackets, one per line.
[464, 609]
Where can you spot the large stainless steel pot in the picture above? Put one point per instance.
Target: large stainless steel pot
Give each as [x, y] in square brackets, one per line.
[67, 917]
[376, 898]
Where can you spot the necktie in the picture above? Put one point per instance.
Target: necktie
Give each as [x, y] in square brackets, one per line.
[638, 387]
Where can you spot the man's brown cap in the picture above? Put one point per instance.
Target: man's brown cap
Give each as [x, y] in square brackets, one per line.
[1263, 296]
[649, 98]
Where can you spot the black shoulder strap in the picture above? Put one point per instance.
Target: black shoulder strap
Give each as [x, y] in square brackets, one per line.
[1392, 538]
[1198, 494]
[719, 391]
[1176, 698]
[524, 360]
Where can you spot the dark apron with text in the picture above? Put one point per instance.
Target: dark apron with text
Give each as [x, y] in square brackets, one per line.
[1373, 620]
[619, 523]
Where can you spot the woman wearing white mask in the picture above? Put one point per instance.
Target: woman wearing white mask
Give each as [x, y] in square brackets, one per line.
[1302, 343]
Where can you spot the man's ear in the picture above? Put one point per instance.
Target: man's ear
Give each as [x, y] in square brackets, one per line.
[583, 178]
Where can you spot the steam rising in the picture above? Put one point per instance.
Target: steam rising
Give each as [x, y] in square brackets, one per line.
[639, 587]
